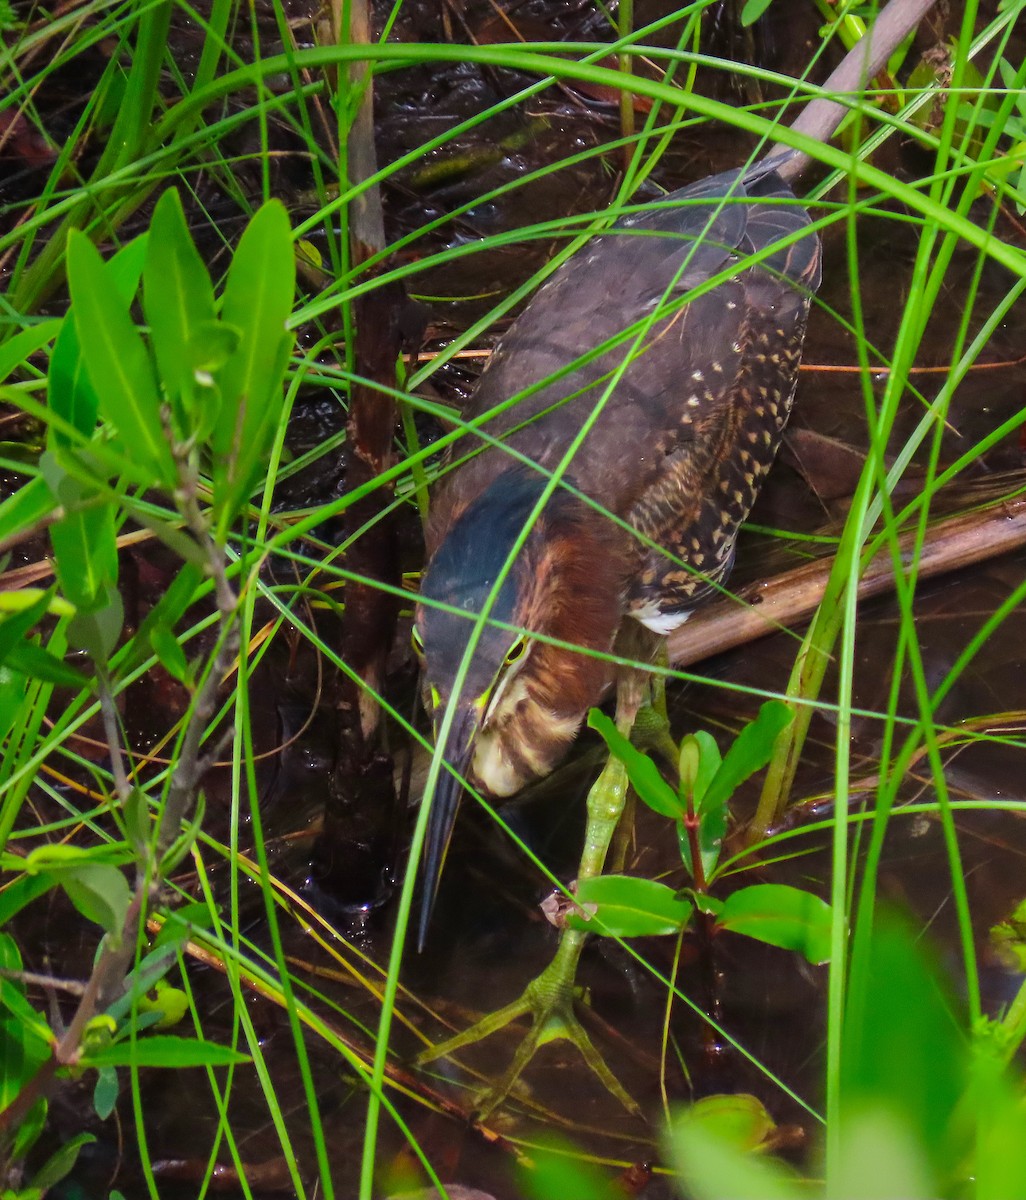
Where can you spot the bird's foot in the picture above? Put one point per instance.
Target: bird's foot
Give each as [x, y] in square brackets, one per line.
[549, 1001]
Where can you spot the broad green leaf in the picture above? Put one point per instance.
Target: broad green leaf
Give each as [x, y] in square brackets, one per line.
[180, 924]
[165, 1050]
[100, 893]
[23, 345]
[644, 775]
[178, 300]
[558, 1170]
[117, 361]
[84, 540]
[13, 698]
[22, 1053]
[26, 507]
[880, 1159]
[70, 393]
[621, 906]
[996, 1122]
[15, 602]
[38, 663]
[60, 1162]
[21, 892]
[28, 1132]
[63, 856]
[10, 954]
[782, 916]
[97, 631]
[904, 1047]
[125, 268]
[15, 626]
[14, 1001]
[750, 752]
[257, 302]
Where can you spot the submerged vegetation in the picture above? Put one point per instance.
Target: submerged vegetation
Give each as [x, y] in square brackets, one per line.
[251, 259]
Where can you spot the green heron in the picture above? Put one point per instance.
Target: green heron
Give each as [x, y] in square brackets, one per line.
[648, 409]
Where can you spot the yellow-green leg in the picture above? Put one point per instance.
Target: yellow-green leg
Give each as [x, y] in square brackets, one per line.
[549, 998]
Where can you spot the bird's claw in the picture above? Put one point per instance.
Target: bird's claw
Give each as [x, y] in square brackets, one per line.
[549, 1001]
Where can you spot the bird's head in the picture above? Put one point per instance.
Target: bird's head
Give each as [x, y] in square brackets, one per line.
[516, 701]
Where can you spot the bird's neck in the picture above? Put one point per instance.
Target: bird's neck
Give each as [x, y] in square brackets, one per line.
[582, 561]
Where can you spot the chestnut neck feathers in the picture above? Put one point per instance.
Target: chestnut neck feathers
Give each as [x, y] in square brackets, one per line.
[551, 588]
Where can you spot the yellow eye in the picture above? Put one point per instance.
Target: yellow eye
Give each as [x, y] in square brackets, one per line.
[516, 652]
[417, 641]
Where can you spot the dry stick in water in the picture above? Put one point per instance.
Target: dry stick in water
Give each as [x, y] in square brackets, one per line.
[794, 595]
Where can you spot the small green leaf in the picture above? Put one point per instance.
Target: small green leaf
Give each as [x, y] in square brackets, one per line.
[712, 827]
[135, 813]
[180, 924]
[60, 1162]
[13, 699]
[117, 361]
[70, 393]
[22, 1053]
[105, 1092]
[100, 893]
[19, 893]
[781, 916]
[168, 610]
[23, 345]
[709, 763]
[84, 540]
[178, 300]
[629, 907]
[97, 631]
[26, 507]
[169, 653]
[257, 302]
[750, 752]
[27, 1133]
[38, 663]
[753, 10]
[15, 626]
[641, 770]
[164, 1050]
[14, 1001]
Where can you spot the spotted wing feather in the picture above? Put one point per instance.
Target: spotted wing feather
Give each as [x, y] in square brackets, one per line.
[681, 435]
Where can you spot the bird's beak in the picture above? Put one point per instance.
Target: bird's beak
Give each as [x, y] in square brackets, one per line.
[459, 753]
